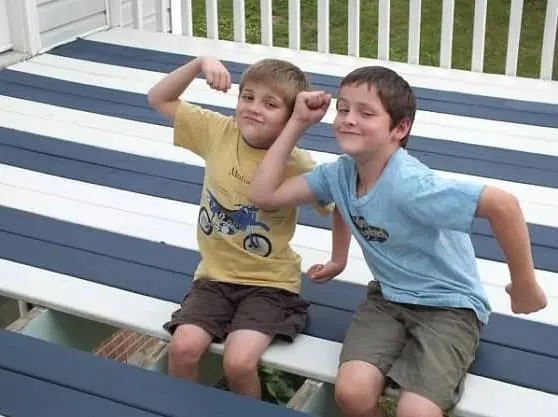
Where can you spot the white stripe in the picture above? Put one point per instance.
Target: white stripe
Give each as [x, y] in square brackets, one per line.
[172, 222]
[505, 135]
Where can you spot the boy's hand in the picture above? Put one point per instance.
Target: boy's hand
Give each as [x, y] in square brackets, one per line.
[216, 75]
[310, 107]
[526, 299]
[321, 273]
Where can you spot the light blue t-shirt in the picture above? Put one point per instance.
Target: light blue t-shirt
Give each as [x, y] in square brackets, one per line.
[413, 227]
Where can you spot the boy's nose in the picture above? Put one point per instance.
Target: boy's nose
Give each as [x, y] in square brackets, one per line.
[349, 119]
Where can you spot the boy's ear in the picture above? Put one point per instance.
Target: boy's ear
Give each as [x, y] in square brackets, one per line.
[402, 129]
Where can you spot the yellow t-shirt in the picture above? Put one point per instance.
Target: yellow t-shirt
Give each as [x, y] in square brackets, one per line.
[237, 241]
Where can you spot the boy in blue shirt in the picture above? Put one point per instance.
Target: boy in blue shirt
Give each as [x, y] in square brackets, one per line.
[418, 328]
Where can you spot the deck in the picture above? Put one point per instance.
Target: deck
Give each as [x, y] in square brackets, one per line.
[90, 181]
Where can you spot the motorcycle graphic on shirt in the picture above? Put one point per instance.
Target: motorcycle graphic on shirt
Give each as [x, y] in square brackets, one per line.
[231, 222]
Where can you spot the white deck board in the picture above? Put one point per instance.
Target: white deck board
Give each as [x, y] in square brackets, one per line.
[119, 308]
[339, 65]
[492, 133]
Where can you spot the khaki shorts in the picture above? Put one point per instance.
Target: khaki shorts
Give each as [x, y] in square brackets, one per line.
[424, 350]
[221, 308]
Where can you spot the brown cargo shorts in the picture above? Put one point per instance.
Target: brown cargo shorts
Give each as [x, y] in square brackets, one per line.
[220, 308]
[424, 350]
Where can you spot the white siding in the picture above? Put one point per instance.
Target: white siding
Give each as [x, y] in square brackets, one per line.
[5, 40]
[62, 20]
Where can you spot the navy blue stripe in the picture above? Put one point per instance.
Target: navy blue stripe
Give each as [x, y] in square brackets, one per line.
[181, 182]
[482, 107]
[25, 396]
[149, 268]
[447, 155]
[78, 379]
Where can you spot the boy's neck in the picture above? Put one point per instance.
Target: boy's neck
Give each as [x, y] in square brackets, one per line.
[256, 147]
[370, 169]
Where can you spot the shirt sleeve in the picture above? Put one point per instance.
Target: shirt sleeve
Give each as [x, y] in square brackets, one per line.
[318, 179]
[195, 128]
[305, 164]
[439, 202]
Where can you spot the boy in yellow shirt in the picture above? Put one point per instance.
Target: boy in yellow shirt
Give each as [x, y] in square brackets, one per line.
[246, 287]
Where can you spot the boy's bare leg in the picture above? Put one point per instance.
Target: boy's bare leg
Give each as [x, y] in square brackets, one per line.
[243, 350]
[414, 405]
[187, 347]
[358, 388]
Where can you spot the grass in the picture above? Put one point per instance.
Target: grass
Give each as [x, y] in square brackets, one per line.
[496, 30]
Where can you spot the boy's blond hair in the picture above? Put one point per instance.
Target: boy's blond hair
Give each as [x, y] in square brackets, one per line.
[286, 78]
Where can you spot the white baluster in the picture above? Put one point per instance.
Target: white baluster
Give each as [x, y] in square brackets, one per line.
[479, 32]
[514, 32]
[212, 19]
[414, 31]
[239, 21]
[446, 38]
[137, 14]
[266, 16]
[294, 24]
[323, 25]
[383, 29]
[353, 28]
[161, 16]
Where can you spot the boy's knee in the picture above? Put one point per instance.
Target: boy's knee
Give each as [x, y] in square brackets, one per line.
[188, 345]
[414, 405]
[239, 366]
[358, 388]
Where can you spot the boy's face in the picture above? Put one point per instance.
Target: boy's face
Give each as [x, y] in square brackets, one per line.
[261, 114]
[362, 125]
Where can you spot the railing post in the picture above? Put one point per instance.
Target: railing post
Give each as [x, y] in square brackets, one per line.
[114, 13]
[161, 16]
[24, 26]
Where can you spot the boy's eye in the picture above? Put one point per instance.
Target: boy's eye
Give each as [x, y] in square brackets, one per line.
[343, 110]
[271, 105]
[248, 98]
[367, 114]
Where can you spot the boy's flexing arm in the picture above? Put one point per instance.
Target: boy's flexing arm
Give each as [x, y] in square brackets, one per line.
[164, 96]
[269, 189]
[506, 219]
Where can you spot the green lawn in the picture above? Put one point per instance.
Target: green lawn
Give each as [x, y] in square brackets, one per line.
[495, 48]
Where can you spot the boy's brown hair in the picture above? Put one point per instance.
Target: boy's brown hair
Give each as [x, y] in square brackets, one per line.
[394, 92]
[286, 78]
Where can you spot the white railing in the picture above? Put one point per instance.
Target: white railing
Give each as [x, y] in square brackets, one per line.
[180, 19]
